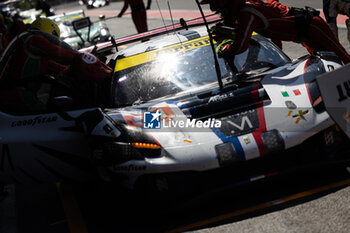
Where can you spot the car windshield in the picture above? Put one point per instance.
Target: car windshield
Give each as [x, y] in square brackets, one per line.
[181, 67]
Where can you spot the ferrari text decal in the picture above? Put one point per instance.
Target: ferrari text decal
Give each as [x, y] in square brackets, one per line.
[152, 55]
[32, 122]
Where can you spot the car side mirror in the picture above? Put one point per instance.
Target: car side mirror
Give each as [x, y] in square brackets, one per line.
[60, 103]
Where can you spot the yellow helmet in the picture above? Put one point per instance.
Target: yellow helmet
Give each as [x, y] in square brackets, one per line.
[46, 25]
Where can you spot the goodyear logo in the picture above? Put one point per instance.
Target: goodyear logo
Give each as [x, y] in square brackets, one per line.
[152, 55]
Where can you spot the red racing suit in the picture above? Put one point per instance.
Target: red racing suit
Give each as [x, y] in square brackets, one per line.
[14, 29]
[35, 53]
[273, 20]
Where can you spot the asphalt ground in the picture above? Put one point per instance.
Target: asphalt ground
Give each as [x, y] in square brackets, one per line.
[313, 199]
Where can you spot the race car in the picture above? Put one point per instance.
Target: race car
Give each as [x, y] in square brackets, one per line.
[30, 15]
[174, 112]
[94, 3]
[86, 35]
[28, 11]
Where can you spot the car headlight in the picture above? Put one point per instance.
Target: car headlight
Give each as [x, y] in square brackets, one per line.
[103, 32]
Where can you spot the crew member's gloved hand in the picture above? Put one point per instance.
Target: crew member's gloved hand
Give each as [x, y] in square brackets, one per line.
[221, 32]
[223, 49]
[90, 67]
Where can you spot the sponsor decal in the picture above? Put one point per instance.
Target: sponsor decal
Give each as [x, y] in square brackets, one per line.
[246, 139]
[34, 121]
[240, 123]
[220, 97]
[284, 93]
[89, 58]
[299, 116]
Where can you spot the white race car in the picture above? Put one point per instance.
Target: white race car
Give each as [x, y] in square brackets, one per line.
[87, 34]
[170, 116]
[94, 3]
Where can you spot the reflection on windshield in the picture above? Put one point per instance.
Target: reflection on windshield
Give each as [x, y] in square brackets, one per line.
[171, 72]
[259, 55]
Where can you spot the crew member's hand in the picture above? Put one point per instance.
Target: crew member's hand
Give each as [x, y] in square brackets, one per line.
[223, 49]
[221, 32]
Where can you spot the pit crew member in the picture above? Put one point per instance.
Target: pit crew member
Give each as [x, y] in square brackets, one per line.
[276, 21]
[37, 52]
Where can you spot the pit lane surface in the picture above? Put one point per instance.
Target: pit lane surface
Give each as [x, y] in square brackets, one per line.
[313, 200]
[318, 200]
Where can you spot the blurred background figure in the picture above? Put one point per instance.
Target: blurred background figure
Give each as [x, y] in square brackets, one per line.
[300, 25]
[45, 7]
[15, 26]
[138, 13]
[149, 2]
[332, 21]
[38, 52]
[339, 7]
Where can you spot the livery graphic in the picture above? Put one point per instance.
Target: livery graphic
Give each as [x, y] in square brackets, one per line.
[240, 123]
